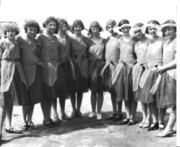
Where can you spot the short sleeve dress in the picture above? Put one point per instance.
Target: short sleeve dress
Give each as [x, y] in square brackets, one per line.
[122, 76]
[149, 76]
[166, 92]
[13, 83]
[96, 63]
[79, 55]
[32, 69]
[49, 56]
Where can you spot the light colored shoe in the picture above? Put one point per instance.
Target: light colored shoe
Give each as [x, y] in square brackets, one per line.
[141, 124]
[91, 115]
[99, 116]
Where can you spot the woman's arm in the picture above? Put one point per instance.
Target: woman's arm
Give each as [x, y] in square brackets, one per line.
[166, 67]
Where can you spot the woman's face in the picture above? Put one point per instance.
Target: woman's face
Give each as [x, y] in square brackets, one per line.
[125, 30]
[138, 34]
[95, 31]
[63, 27]
[77, 29]
[31, 32]
[169, 31]
[152, 31]
[110, 29]
[51, 27]
[11, 34]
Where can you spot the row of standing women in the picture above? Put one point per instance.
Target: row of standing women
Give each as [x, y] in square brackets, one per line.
[45, 67]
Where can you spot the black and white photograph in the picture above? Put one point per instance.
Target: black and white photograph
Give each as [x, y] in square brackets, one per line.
[89, 73]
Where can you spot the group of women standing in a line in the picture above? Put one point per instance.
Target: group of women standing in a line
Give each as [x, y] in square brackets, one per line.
[45, 67]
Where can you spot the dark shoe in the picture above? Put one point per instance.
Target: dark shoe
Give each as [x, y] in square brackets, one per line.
[74, 114]
[174, 131]
[117, 117]
[32, 126]
[125, 121]
[14, 131]
[56, 122]
[65, 117]
[168, 134]
[79, 114]
[111, 117]
[131, 122]
[48, 124]
[154, 126]
[161, 126]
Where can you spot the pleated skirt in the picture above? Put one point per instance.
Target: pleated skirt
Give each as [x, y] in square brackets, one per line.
[166, 92]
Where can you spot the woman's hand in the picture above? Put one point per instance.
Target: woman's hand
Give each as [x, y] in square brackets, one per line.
[160, 69]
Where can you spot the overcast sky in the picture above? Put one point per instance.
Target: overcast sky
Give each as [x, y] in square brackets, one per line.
[88, 10]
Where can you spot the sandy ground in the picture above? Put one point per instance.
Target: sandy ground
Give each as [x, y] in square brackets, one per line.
[84, 132]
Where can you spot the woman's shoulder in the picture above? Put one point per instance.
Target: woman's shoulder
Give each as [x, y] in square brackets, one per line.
[103, 39]
[40, 36]
[86, 39]
[21, 39]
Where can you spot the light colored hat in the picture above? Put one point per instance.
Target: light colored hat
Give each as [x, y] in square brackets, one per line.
[123, 23]
[168, 23]
[153, 24]
[138, 26]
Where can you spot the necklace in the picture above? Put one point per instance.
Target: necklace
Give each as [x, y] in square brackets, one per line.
[50, 37]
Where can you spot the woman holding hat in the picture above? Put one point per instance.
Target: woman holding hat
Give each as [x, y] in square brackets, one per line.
[32, 69]
[96, 62]
[140, 48]
[153, 60]
[111, 58]
[13, 83]
[49, 56]
[79, 54]
[122, 76]
[166, 91]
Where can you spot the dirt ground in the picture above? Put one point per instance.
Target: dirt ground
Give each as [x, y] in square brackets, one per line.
[84, 132]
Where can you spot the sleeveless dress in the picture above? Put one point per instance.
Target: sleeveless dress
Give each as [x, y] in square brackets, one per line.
[111, 58]
[166, 91]
[32, 69]
[149, 76]
[79, 54]
[96, 63]
[140, 49]
[122, 76]
[49, 56]
[13, 84]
